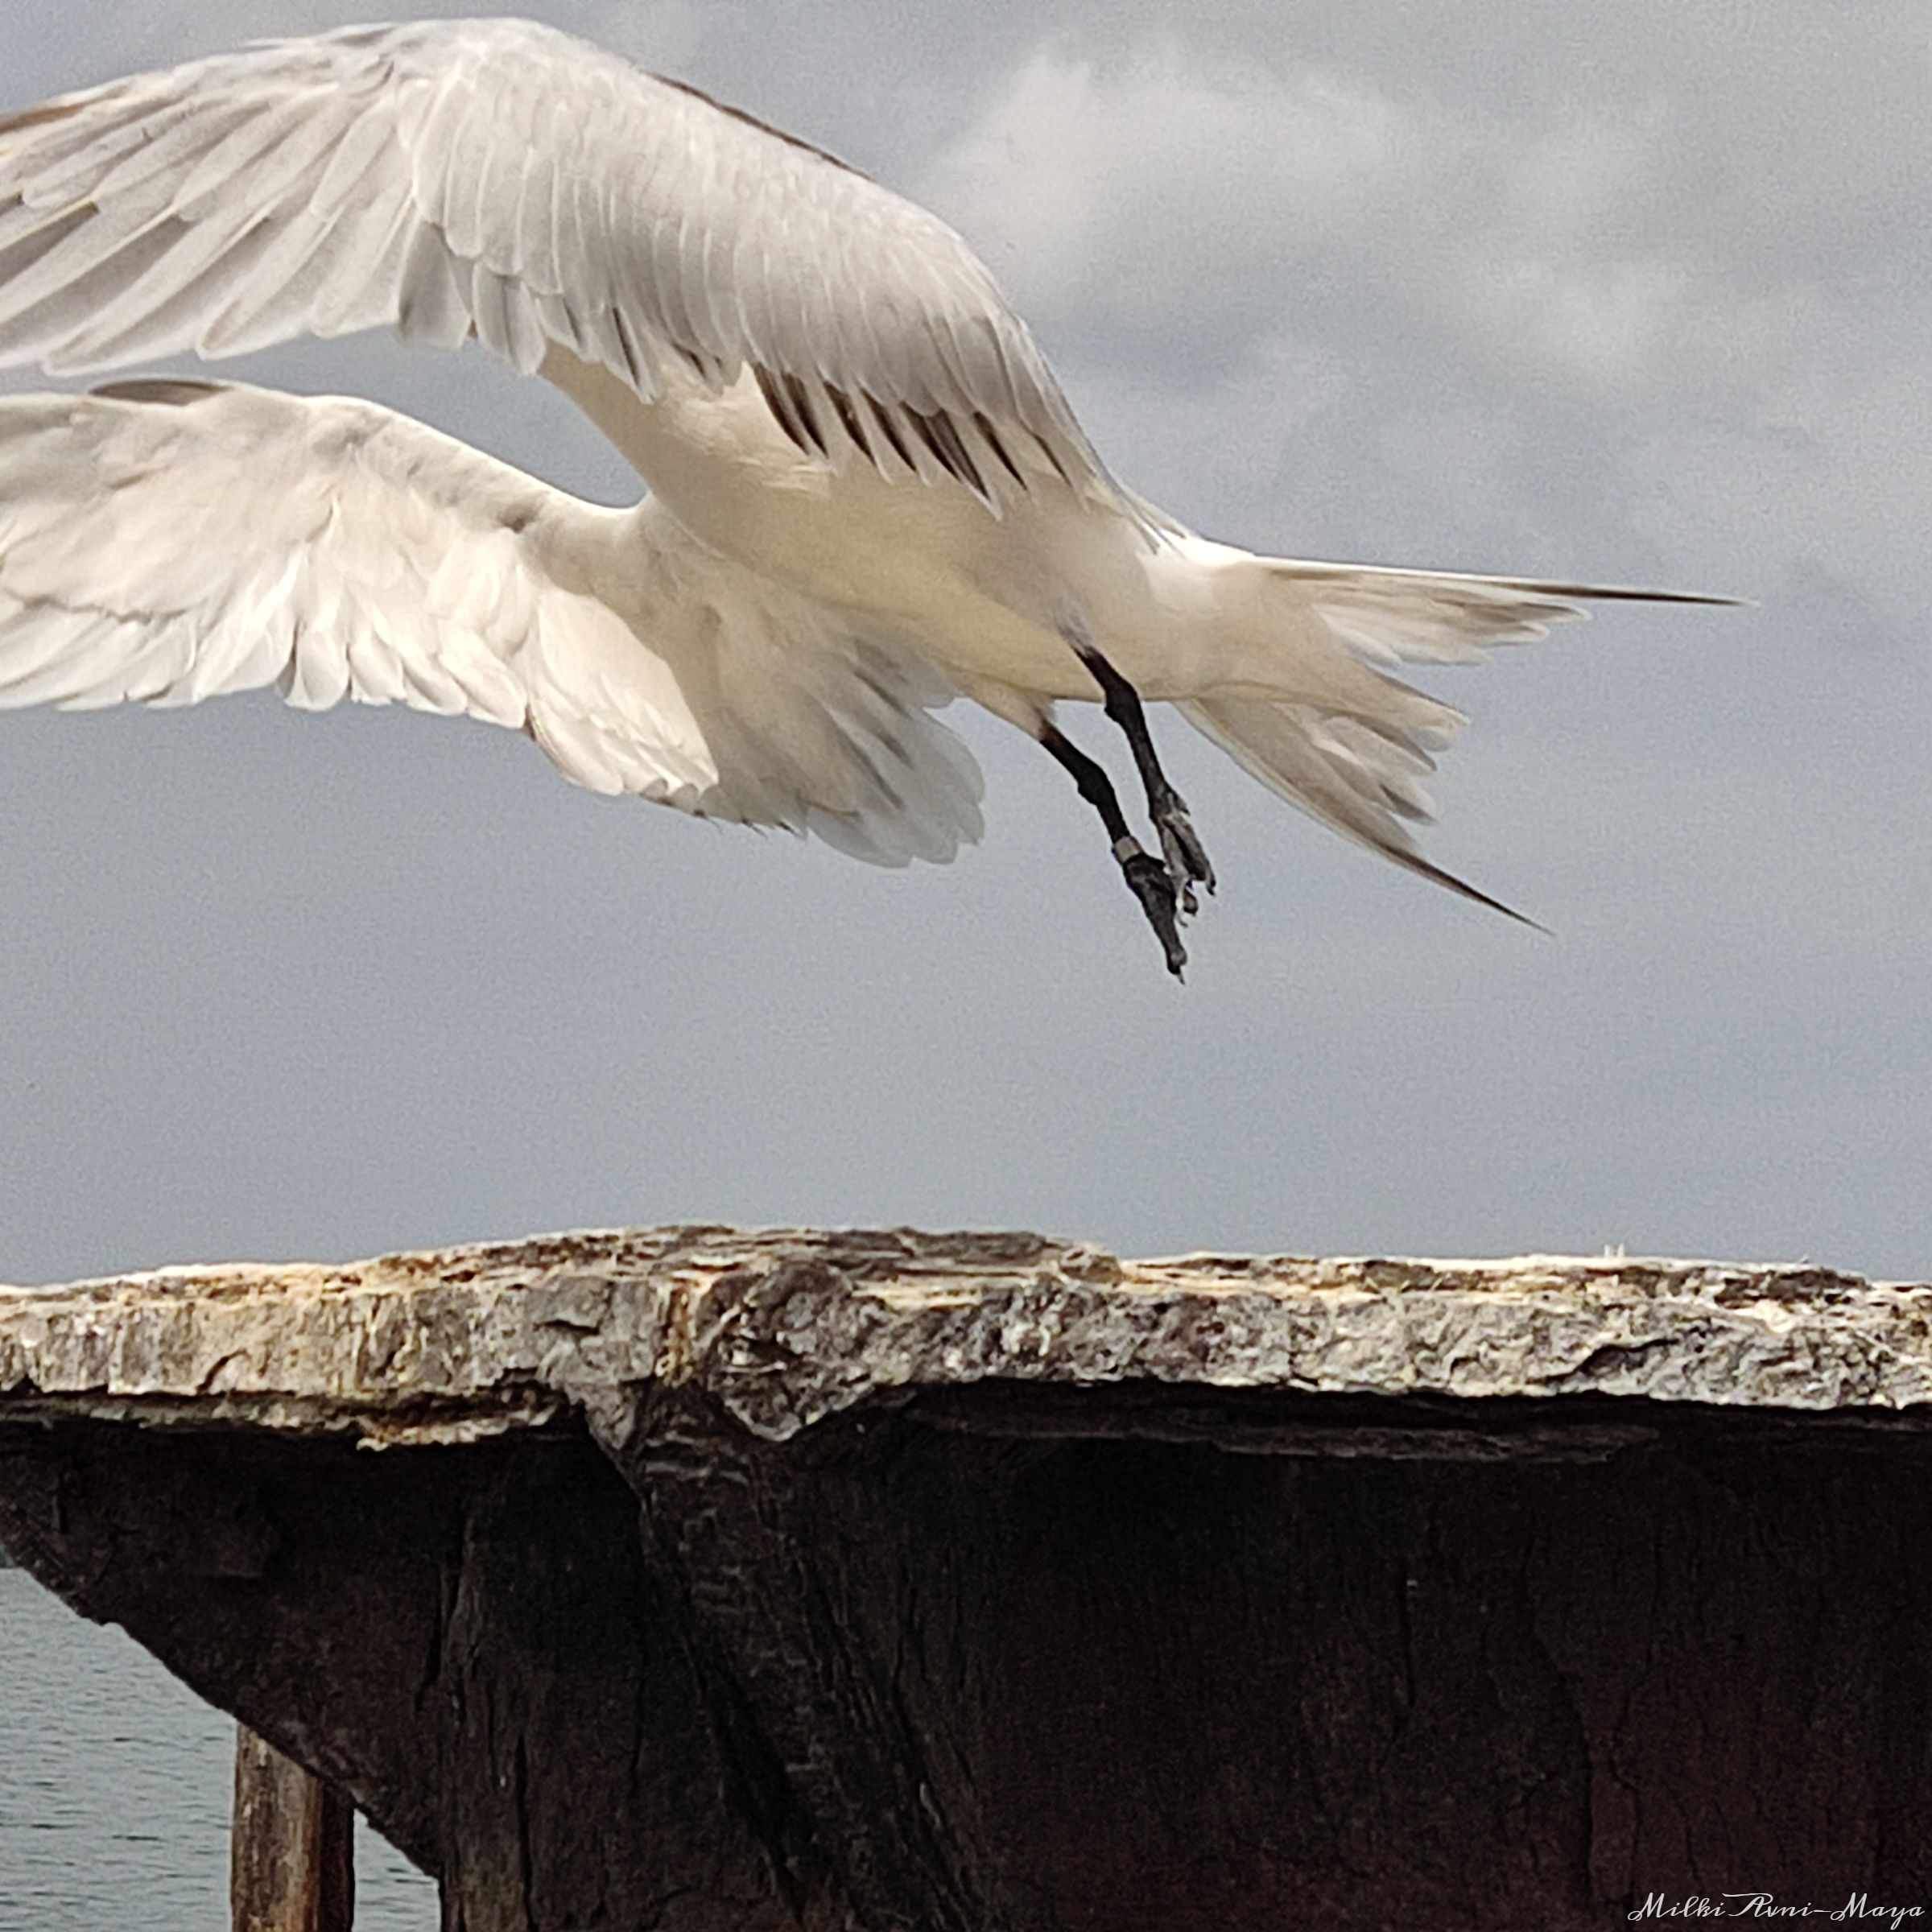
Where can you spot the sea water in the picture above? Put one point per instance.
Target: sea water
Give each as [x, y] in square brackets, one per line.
[115, 1781]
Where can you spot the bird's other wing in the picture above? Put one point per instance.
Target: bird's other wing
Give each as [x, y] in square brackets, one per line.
[166, 542]
[1346, 743]
[499, 178]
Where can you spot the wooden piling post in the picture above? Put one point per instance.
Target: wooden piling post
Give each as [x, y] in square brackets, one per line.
[291, 1865]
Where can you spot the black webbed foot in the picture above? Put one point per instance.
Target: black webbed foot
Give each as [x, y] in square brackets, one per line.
[1187, 861]
[1153, 884]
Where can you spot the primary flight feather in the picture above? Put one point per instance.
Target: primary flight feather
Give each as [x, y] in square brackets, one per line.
[867, 493]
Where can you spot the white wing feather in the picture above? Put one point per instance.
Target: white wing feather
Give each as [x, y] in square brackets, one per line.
[166, 542]
[499, 177]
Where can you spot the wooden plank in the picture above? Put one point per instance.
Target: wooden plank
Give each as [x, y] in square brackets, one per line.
[291, 1865]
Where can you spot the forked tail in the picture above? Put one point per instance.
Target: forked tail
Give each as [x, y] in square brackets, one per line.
[1307, 711]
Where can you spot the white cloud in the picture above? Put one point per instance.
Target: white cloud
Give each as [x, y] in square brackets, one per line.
[1177, 204]
[1161, 191]
[1608, 320]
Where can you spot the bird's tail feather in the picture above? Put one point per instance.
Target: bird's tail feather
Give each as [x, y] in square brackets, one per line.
[1306, 711]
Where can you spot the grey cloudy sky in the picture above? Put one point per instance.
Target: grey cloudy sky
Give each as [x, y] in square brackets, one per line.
[1639, 292]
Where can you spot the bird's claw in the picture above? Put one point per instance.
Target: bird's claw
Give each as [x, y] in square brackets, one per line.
[1153, 884]
[1188, 862]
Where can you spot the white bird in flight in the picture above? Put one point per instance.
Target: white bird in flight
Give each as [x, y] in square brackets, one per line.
[867, 494]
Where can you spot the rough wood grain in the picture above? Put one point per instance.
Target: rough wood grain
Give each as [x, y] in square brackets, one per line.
[791, 1583]
[292, 1861]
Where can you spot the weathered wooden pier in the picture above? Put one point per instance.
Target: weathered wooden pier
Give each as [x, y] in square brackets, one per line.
[897, 1582]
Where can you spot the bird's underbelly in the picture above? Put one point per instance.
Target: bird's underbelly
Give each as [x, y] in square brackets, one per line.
[991, 601]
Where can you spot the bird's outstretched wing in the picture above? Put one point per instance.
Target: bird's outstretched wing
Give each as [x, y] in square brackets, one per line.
[166, 542]
[500, 178]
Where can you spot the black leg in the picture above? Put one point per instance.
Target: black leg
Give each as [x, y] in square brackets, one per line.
[1150, 881]
[1186, 860]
